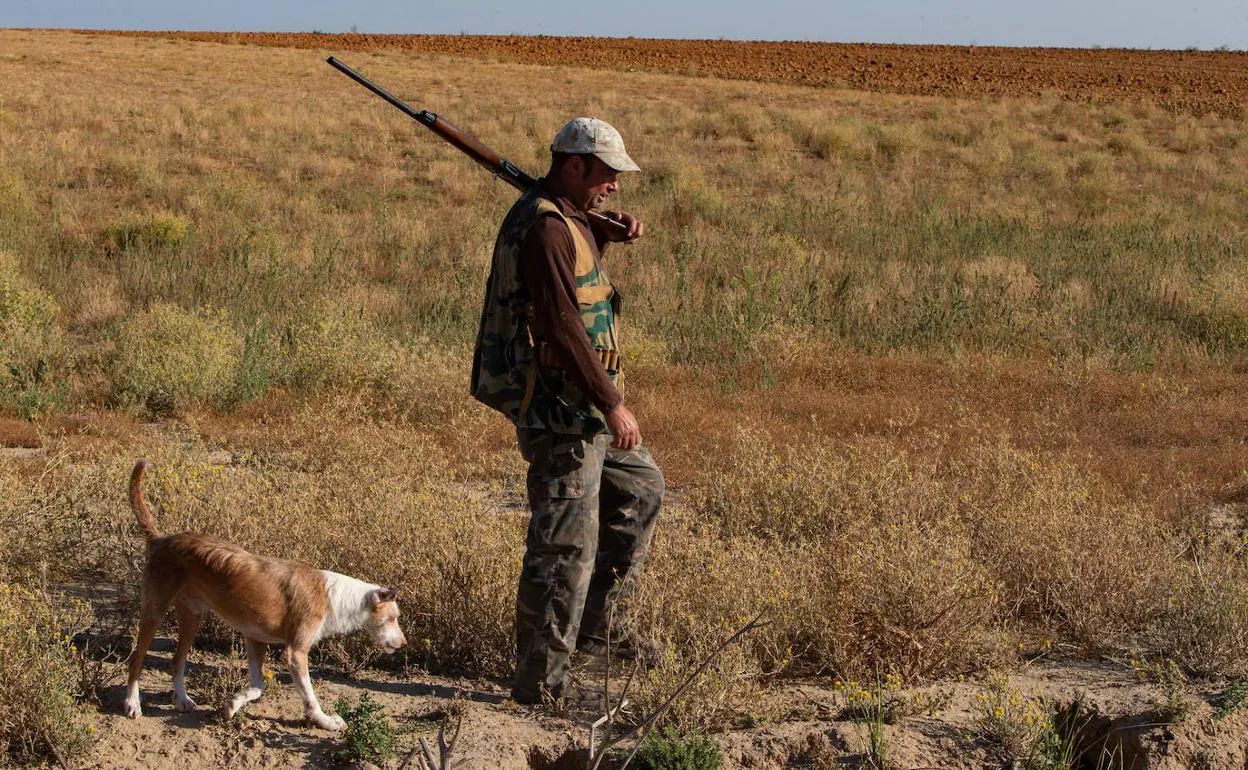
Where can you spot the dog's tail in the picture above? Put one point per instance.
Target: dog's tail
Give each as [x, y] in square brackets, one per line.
[138, 504]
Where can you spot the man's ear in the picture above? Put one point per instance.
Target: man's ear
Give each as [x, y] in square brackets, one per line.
[588, 164]
[382, 595]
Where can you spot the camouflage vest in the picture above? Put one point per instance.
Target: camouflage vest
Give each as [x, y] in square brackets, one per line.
[506, 373]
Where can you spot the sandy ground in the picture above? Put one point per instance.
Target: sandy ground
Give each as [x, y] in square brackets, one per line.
[271, 732]
[498, 733]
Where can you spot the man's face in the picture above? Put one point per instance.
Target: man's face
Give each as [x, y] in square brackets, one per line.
[595, 182]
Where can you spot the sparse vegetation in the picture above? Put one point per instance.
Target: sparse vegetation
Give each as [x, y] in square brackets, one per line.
[1172, 703]
[888, 700]
[927, 378]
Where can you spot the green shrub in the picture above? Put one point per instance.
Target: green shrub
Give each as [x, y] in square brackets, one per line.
[261, 365]
[369, 736]
[1171, 703]
[40, 718]
[34, 356]
[333, 346]
[161, 230]
[672, 750]
[15, 197]
[1230, 700]
[337, 346]
[169, 359]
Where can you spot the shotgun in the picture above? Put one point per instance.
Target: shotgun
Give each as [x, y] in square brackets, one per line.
[462, 140]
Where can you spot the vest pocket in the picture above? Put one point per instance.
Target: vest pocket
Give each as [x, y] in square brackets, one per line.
[589, 295]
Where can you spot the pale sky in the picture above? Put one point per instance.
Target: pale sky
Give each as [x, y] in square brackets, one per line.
[1074, 23]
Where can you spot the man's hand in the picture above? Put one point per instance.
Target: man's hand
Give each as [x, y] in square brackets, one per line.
[625, 432]
[635, 227]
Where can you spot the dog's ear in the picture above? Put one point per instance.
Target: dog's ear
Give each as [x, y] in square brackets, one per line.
[383, 595]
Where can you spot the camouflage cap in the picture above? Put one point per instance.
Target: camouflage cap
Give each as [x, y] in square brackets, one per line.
[596, 137]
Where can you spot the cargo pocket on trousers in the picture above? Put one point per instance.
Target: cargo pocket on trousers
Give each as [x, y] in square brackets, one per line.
[554, 502]
[551, 490]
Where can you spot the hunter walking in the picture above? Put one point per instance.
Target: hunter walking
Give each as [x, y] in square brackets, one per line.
[548, 357]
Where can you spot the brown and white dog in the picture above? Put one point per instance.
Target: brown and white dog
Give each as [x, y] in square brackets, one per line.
[267, 600]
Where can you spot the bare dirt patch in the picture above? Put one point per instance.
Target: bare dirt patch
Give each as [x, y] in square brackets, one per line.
[1185, 81]
[499, 734]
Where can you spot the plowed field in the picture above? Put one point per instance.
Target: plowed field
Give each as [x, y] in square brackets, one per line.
[1187, 81]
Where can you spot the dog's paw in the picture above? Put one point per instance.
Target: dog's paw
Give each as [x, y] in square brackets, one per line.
[133, 709]
[183, 703]
[235, 704]
[331, 722]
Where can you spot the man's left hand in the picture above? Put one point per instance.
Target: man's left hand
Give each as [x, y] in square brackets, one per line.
[635, 227]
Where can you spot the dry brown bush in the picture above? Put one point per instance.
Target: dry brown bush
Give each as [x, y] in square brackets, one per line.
[860, 535]
[1203, 623]
[874, 558]
[1064, 555]
[41, 720]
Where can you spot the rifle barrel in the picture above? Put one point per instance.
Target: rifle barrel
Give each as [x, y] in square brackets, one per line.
[462, 140]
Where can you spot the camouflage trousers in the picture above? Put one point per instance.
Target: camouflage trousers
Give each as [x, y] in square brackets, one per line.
[593, 513]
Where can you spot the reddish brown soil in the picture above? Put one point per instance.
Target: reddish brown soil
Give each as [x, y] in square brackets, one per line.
[1186, 81]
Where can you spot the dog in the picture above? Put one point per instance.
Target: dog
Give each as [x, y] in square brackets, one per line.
[267, 600]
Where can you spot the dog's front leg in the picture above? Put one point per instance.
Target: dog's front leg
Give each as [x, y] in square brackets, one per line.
[255, 679]
[311, 707]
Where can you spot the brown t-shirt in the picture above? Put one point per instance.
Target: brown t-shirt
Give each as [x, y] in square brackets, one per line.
[548, 269]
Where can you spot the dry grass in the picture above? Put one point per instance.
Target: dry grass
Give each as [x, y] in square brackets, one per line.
[868, 556]
[926, 377]
[40, 714]
[875, 223]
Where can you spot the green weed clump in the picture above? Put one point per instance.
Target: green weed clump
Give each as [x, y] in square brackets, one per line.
[40, 717]
[169, 359]
[369, 736]
[1171, 703]
[1230, 700]
[670, 749]
[34, 355]
[158, 231]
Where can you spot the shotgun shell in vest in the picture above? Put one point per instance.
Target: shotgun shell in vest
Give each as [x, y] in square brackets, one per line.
[507, 374]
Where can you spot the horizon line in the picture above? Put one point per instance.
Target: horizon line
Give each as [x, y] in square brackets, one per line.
[723, 39]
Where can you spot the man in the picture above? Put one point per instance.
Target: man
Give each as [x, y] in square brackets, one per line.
[547, 356]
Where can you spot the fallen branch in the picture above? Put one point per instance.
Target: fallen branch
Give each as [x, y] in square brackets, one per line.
[445, 750]
[643, 730]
